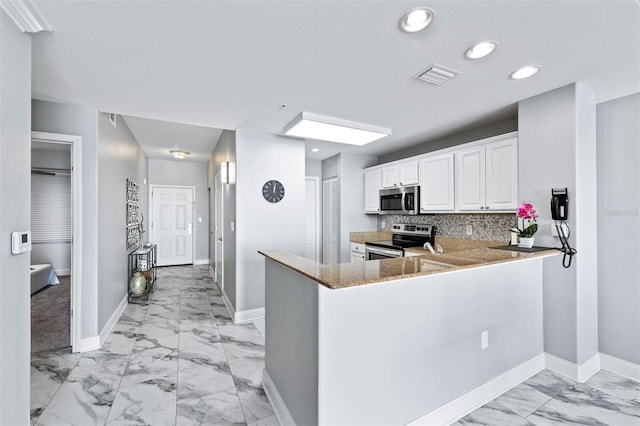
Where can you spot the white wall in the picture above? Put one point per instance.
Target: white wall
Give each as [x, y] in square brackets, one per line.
[262, 225]
[187, 173]
[81, 121]
[120, 157]
[15, 164]
[557, 150]
[56, 254]
[618, 136]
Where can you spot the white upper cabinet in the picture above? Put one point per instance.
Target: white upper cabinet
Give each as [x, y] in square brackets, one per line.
[502, 175]
[403, 174]
[470, 179]
[372, 191]
[487, 177]
[436, 184]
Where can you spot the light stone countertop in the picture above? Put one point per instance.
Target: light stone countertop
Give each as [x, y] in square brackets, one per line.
[363, 237]
[353, 274]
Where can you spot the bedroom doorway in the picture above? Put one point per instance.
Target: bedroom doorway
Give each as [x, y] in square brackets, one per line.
[56, 235]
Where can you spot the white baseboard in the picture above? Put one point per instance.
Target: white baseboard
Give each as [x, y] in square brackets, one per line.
[620, 367]
[248, 315]
[580, 373]
[62, 272]
[228, 304]
[201, 262]
[87, 344]
[470, 401]
[113, 319]
[277, 403]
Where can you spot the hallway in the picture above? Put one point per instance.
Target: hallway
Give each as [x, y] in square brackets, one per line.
[177, 360]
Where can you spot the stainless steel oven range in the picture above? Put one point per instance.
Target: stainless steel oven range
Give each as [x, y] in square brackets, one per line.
[404, 236]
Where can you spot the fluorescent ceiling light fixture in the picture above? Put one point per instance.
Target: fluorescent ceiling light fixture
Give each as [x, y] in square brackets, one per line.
[480, 50]
[525, 72]
[416, 20]
[315, 150]
[181, 155]
[313, 126]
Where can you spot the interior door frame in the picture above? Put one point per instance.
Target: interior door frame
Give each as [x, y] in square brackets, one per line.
[218, 210]
[316, 180]
[193, 215]
[76, 228]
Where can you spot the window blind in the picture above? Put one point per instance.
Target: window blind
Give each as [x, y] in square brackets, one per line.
[50, 208]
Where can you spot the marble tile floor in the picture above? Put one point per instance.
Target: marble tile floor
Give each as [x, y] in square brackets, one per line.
[551, 399]
[176, 360]
[179, 360]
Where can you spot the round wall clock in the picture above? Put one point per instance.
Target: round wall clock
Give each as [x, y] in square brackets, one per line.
[273, 191]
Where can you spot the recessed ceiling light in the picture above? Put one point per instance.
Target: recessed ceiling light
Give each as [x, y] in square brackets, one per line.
[417, 19]
[525, 72]
[181, 155]
[315, 126]
[315, 150]
[481, 49]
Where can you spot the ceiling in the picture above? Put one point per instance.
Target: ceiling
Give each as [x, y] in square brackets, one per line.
[232, 64]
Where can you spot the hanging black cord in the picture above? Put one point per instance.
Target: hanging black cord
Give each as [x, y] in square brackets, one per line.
[568, 251]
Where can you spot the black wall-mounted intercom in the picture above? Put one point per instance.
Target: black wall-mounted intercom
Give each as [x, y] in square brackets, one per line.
[559, 204]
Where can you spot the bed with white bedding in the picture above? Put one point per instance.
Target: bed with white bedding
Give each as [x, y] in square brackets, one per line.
[42, 275]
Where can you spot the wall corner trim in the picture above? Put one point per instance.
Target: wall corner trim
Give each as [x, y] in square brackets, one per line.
[113, 319]
[279, 407]
[87, 344]
[620, 367]
[248, 315]
[228, 305]
[476, 398]
[580, 373]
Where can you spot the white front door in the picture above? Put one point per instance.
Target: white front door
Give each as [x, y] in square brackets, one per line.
[218, 234]
[172, 224]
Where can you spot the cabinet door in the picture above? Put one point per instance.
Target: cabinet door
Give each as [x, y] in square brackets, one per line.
[372, 191]
[502, 175]
[388, 177]
[470, 179]
[436, 183]
[408, 173]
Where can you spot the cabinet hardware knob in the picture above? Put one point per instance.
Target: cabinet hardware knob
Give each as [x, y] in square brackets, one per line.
[481, 207]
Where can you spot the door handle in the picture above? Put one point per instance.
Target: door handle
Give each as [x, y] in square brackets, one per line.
[220, 239]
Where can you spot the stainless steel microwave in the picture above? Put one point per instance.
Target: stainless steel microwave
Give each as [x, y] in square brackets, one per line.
[404, 200]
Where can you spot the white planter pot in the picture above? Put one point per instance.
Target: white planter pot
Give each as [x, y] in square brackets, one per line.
[525, 242]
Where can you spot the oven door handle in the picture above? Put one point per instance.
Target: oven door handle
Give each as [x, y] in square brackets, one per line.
[403, 202]
[384, 252]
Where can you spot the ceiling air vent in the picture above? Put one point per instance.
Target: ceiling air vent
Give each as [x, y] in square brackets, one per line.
[437, 74]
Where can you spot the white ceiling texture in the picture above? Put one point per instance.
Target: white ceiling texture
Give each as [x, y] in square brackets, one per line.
[231, 64]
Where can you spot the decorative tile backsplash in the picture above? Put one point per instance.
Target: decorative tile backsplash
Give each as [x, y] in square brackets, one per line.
[488, 227]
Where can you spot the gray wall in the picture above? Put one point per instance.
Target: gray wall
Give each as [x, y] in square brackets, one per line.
[352, 218]
[57, 254]
[312, 167]
[226, 151]
[262, 225]
[120, 157]
[187, 173]
[80, 121]
[618, 138]
[550, 150]
[458, 138]
[15, 163]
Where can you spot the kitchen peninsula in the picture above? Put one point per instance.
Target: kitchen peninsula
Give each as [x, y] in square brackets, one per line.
[395, 341]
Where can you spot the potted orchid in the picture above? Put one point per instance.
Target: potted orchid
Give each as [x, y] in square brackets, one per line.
[527, 226]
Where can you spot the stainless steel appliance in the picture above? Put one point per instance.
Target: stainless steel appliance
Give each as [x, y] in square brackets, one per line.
[404, 200]
[404, 236]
